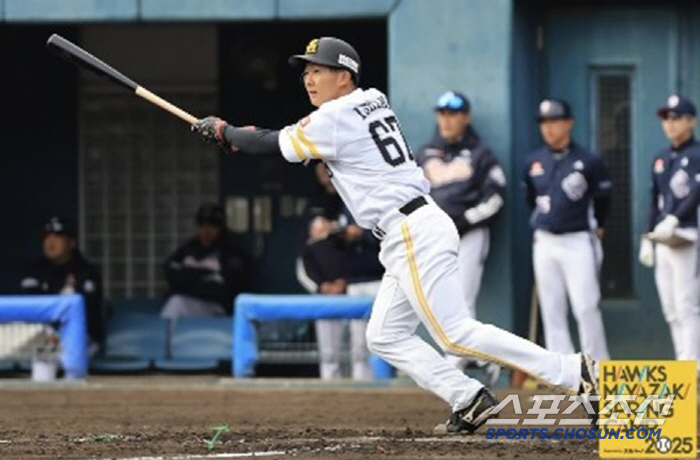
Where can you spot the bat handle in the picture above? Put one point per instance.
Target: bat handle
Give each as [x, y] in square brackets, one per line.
[162, 103]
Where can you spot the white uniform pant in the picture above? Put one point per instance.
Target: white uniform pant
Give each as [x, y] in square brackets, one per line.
[566, 267]
[422, 284]
[679, 292]
[329, 338]
[183, 305]
[473, 250]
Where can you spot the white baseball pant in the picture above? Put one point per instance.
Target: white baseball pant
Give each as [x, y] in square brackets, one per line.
[183, 305]
[329, 338]
[473, 250]
[422, 284]
[678, 285]
[566, 270]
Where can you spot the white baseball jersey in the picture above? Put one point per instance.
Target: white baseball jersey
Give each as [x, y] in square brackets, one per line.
[371, 166]
[369, 161]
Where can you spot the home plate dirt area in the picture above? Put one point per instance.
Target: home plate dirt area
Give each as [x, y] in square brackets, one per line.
[197, 418]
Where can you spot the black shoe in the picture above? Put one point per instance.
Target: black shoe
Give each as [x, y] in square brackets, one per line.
[469, 419]
[589, 383]
[589, 376]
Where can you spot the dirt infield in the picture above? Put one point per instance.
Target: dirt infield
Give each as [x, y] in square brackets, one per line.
[121, 418]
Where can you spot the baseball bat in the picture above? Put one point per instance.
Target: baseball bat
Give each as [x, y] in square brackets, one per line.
[75, 54]
[519, 377]
[534, 314]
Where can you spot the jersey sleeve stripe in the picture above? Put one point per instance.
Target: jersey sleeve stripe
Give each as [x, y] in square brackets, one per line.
[295, 144]
[310, 145]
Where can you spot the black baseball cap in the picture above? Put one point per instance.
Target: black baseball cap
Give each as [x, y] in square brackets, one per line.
[452, 101]
[58, 225]
[330, 52]
[211, 213]
[677, 105]
[554, 109]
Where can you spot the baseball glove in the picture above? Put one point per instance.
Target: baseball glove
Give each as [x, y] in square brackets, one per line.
[674, 241]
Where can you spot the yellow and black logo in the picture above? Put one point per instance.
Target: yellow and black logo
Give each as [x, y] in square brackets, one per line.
[312, 47]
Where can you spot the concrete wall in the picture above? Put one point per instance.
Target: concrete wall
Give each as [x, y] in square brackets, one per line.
[442, 44]
[186, 10]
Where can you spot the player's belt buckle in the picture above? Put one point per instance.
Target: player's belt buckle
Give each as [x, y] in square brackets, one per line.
[395, 215]
[378, 233]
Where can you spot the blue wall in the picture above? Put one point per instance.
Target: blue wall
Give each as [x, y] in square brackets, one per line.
[442, 44]
[187, 10]
[527, 88]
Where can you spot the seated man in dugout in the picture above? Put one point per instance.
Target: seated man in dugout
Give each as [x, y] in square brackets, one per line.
[206, 272]
[339, 257]
[63, 269]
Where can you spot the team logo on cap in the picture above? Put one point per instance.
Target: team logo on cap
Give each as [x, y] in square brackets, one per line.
[89, 286]
[312, 47]
[545, 106]
[673, 101]
[347, 61]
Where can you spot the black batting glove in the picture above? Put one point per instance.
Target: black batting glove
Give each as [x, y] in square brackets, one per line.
[211, 129]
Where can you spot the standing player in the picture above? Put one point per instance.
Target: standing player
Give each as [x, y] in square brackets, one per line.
[468, 183]
[568, 190]
[357, 135]
[675, 194]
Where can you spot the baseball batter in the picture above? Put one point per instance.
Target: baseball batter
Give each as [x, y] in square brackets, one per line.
[675, 195]
[358, 136]
[568, 190]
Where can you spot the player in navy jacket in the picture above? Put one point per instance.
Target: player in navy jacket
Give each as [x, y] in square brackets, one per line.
[673, 220]
[568, 189]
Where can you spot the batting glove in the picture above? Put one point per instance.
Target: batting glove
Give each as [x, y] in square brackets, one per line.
[646, 252]
[664, 229]
[211, 129]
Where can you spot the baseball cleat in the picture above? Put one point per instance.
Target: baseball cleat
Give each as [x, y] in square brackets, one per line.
[469, 419]
[589, 383]
[589, 376]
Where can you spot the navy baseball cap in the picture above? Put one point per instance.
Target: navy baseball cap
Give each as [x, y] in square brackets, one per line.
[554, 109]
[677, 105]
[211, 213]
[60, 226]
[452, 101]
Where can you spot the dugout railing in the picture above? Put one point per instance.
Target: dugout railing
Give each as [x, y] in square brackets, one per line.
[253, 309]
[66, 310]
[259, 333]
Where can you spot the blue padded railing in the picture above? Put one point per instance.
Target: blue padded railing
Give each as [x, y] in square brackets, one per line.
[68, 310]
[271, 307]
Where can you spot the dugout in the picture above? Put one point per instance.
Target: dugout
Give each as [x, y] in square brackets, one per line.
[614, 60]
